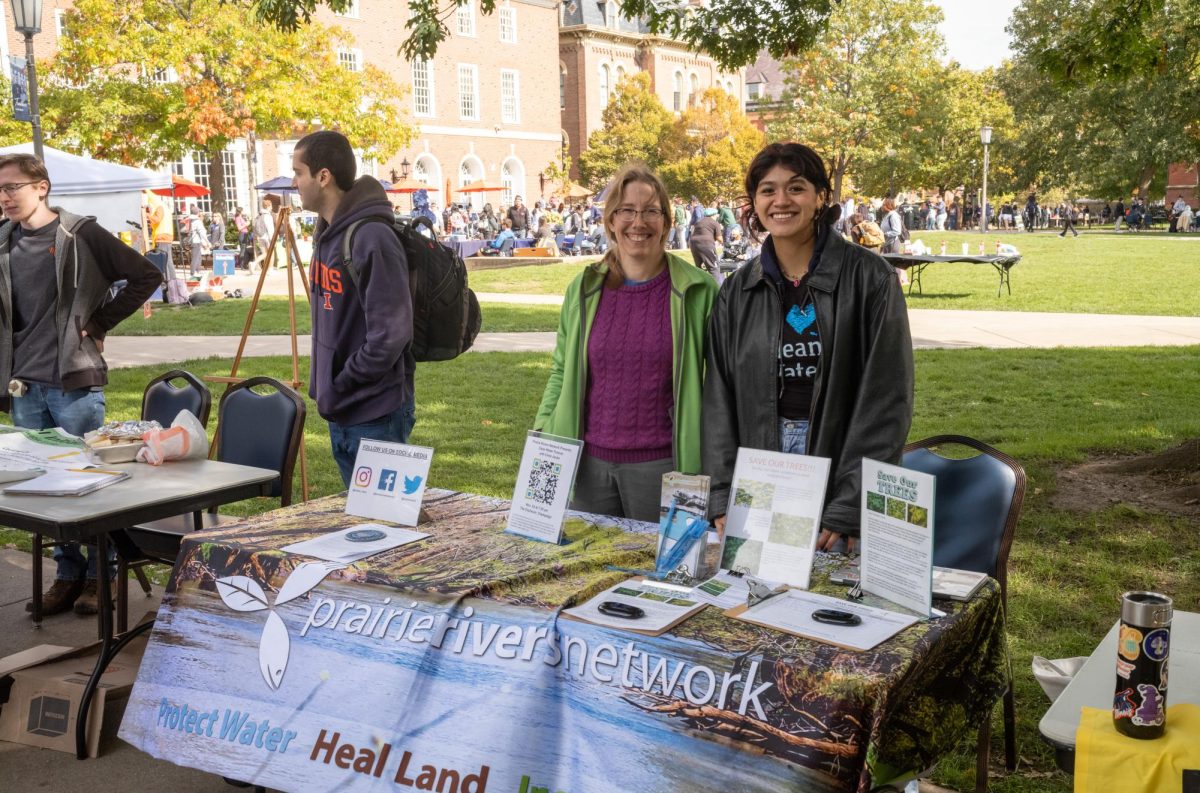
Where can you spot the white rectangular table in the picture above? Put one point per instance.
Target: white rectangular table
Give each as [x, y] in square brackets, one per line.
[151, 493]
[1095, 684]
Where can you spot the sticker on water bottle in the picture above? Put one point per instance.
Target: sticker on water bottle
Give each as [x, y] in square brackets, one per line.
[1128, 645]
[1150, 713]
[1156, 644]
[1124, 668]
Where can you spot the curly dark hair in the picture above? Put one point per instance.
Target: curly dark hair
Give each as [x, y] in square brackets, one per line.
[800, 160]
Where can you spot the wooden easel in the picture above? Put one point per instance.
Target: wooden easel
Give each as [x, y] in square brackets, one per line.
[282, 226]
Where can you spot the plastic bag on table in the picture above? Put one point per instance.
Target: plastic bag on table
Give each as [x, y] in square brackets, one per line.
[184, 440]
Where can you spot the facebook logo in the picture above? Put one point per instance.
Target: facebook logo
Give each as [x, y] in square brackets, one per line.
[387, 480]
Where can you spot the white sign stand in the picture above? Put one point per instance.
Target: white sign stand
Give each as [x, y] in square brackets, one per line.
[389, 481]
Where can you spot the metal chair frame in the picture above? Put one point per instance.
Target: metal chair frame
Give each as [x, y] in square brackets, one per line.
[1001, 572]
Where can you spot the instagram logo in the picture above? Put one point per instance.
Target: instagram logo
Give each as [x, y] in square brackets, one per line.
[362, 477]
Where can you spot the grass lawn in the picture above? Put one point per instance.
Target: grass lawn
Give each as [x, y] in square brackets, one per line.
[1099, 272]
[228, 317]
[1046, 407]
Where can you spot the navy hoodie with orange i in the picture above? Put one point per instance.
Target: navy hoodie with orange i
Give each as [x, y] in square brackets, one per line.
[362, 362]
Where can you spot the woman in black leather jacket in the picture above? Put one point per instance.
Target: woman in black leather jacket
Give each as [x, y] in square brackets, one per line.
[809, 348]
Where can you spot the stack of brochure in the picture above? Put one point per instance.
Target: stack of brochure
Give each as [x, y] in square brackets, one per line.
[69, 482]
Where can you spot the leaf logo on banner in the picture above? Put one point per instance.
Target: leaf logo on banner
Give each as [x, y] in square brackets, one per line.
[242, 593]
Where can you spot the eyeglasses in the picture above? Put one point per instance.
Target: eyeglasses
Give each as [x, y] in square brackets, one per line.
[649, 215]
[11, 189]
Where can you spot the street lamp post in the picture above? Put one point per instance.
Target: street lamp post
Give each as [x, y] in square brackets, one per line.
[891, 153]
[27, 19]
[985, 137]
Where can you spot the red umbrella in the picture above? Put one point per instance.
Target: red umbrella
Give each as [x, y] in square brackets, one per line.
[183, 188]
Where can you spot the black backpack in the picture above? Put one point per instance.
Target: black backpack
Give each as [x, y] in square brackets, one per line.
[446, 315]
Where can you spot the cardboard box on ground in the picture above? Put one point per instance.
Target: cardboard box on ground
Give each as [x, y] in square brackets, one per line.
[40, 690]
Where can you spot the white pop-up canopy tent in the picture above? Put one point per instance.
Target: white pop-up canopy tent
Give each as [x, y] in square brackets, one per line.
[110, 192]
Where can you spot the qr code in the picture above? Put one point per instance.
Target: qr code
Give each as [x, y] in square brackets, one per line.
[543, 481]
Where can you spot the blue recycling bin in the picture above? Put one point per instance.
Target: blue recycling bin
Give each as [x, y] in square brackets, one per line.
[159, 260]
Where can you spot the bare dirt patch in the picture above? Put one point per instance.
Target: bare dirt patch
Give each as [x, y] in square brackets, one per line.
[1166, 482]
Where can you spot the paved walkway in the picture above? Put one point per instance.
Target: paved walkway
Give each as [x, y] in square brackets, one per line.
[931, 329]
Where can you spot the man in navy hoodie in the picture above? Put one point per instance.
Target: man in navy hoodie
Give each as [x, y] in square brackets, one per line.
[362, 364]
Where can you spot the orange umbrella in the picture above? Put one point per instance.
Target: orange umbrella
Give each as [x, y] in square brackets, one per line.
[481, 186]
[574, 190]
[183, 188]
[409, 186]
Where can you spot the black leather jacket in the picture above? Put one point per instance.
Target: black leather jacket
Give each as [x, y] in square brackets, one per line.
[863, 393]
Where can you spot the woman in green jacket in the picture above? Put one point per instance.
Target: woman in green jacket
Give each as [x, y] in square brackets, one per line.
[628, 366]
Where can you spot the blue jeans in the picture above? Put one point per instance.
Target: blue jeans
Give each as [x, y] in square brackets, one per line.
[793, 435]
[77, 412]
[344, 438]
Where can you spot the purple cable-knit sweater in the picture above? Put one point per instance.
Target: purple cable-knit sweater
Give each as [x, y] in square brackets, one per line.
[630, 400]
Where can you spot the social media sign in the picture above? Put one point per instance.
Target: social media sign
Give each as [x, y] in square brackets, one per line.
[389, 481]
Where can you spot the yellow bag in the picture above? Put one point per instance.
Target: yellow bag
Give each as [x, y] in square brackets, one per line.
[1106, 760]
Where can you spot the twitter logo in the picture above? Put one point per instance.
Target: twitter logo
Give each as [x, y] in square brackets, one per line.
[411, 483]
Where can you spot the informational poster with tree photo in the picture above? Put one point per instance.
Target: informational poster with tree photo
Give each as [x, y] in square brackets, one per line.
[774, 515]
[897, 535]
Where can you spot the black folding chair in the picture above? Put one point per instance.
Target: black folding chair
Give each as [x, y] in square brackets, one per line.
[260, 430]
[977, 503]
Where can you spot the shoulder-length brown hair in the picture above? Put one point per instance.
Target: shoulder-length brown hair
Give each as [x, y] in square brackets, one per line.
[630, 173]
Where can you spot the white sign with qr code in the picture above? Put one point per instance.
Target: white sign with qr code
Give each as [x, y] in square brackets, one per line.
[543, 488]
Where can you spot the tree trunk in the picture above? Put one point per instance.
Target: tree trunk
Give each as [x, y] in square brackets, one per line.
[216, 183]
[1144, 179]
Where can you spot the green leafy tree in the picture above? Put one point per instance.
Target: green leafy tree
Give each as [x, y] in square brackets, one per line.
[143, 81]
[12, 131]
[733, 32]
[634, 125]
[940, 146]
[1106, 95]
[855, 93]
[709, 148]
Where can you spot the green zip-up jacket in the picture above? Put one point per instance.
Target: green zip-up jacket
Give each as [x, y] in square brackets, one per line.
[692, 294]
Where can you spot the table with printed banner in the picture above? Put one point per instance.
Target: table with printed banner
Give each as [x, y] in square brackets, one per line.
[443, 664]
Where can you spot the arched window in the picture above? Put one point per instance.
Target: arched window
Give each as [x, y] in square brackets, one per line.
[512, 178]
[620, 74]
[605, 85]
[469, 170]
[611, 11]
[693, 90]
[678, 92]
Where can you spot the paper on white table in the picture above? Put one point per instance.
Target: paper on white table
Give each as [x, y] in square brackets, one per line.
[357, 542]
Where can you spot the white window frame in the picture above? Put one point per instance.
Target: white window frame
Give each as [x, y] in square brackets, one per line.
[470, 72]
[350, 58]
[352, 12]
[612, 20]
[60, 23]
[562, 86]
[162, 75]
[428, 75]
[510, 115]
[508, 24]
[605, 85]
[677, 86]
[465, 16]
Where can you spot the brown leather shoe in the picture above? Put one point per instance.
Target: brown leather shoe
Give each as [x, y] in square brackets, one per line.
[59, 597]
[89, 599]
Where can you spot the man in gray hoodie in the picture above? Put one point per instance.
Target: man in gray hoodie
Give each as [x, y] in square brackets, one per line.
[56, 269]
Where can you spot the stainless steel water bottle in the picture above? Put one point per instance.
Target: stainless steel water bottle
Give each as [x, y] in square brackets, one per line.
[1143, 646]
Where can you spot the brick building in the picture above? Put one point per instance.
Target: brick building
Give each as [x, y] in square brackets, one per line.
[597, 47]
[1183, 180]
[484, 107]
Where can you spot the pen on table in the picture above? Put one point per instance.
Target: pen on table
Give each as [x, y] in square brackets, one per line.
[61, 456]
[91, 471]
